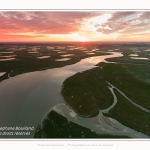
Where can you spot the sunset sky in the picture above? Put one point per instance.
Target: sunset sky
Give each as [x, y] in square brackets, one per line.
[48, 26]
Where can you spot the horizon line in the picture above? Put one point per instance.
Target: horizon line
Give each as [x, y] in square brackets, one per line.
[75, 41]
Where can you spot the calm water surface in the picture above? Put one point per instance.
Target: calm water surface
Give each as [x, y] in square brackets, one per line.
[26, 99]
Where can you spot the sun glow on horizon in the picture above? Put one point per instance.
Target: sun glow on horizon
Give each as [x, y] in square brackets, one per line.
[83, 39]
[76, 26]
[78, 37]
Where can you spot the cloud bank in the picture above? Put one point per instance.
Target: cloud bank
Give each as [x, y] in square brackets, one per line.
[74, 26]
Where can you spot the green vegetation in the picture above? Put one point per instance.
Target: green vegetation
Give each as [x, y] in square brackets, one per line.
[130, 115]
[57, 126]
[87, 92]
[92, 82]
[134, 88]
[141, 72]
[28, 62]
[132, 77]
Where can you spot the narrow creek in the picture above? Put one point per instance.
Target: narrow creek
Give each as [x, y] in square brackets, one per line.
[138, 106]
[100, 124]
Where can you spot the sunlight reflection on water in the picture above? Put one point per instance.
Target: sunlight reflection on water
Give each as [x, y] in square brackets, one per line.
[32, 95]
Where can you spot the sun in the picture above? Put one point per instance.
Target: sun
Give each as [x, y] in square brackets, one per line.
[83, 39]
[77, 37]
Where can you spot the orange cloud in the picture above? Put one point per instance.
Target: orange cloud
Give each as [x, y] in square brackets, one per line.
[71, 26]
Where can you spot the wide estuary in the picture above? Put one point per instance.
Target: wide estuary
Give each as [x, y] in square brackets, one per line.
[26, 99]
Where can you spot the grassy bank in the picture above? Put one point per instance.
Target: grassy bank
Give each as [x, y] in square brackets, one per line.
[87, 92]
[130, 115]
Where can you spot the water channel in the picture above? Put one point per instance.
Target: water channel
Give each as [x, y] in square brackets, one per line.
[26, 99]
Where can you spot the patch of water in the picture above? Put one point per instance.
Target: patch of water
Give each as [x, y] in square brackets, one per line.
[7, 52]
[33, 52]
[2, 73]
[133, 55]
[147, 50]
[139, 58]
[62, 52]
[43, 57]
[8, 56]
[56, 50]
[63, 59]
[7, 59]
[90, 53]
[66, 55]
